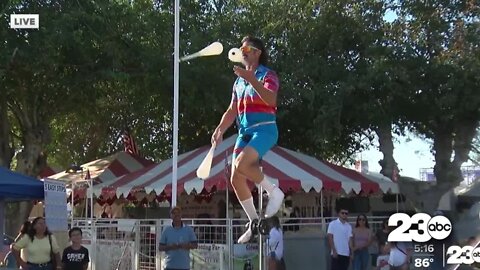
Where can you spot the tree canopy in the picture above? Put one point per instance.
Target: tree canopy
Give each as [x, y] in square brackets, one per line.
[68, 89]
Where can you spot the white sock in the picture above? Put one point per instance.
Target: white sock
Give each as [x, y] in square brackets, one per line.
[249, 208]
[267, 185]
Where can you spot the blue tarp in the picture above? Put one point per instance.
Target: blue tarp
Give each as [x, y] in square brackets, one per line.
[15, 186]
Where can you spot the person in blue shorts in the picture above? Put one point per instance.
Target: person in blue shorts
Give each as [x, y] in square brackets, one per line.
[254, 107]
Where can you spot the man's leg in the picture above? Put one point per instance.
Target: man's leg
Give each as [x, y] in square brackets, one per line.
[240, 186]
[334, 263]
[345, 261]
[249, 166]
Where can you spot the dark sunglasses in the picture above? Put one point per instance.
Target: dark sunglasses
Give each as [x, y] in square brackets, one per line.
[344, 213]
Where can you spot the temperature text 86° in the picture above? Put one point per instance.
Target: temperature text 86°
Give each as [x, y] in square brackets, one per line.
[425, 262]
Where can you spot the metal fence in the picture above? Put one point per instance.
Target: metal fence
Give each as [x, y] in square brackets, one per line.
[133, 244]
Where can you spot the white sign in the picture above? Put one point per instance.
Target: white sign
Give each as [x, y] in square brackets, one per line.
[209, 257]
[24, 21]
[245, 250]
[56, 213]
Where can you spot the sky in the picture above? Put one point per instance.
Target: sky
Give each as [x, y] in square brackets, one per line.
[411, 153]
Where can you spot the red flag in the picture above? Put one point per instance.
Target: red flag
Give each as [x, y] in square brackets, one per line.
[129, 143]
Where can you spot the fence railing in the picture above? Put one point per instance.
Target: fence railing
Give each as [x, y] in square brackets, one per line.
[133, 244]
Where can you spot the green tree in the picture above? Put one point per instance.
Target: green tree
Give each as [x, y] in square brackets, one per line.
[84, 54]
[438, 45]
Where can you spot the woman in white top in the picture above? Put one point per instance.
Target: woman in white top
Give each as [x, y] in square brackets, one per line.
[400, 253]
[275, 245]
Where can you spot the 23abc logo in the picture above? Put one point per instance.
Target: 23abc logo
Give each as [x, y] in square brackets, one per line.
[463, 255]
[437, 227]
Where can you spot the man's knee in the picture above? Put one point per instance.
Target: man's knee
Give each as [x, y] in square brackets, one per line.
[236, 178]
[243, 164]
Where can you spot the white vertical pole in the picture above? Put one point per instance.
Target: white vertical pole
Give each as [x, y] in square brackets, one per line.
[227, 216]
[260, 238]
[321, 210]
[73, 197]
[176, 69]
[91, 199]
[86, 204]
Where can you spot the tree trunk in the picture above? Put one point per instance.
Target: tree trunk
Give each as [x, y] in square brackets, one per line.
[388, 162]
[30, 161]
[6, 151]
[457, 141]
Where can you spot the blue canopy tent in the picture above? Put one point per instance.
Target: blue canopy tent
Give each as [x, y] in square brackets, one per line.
[16, 187]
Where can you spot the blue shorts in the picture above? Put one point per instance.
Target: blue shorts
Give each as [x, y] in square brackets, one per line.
[261, 138]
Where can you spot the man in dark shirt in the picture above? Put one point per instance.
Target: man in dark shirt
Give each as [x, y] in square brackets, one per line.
[75, 257]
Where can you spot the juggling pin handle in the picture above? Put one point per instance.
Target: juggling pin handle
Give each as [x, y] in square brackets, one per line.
[188, 57]
[215, 48]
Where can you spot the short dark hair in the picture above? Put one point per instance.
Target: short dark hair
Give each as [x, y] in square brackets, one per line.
[275, 222]
[74, 229]
[258, 43]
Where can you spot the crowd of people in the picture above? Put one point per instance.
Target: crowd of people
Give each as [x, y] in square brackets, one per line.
[350, 245]
[36, 248]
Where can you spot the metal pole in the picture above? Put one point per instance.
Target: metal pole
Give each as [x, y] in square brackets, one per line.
[260, 238]
[227, 186]
[176, 67]
[396, 198]
[86, 205]
[86, 197]
[229, 221]
[91, 199]
[321, 210]
[72, 205]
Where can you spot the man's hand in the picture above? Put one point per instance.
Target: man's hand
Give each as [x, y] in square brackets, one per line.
[217, 136]
[247, 75]
[334, 254]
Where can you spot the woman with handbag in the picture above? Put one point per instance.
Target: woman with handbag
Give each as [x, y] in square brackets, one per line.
[42, 248]
[400, 254]
[275, 245]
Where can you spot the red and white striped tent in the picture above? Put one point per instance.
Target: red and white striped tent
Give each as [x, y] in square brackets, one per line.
[104, 169]
[290, 170]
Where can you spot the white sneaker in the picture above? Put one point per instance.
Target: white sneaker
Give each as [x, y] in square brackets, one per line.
[245, 237]
[275, 200]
